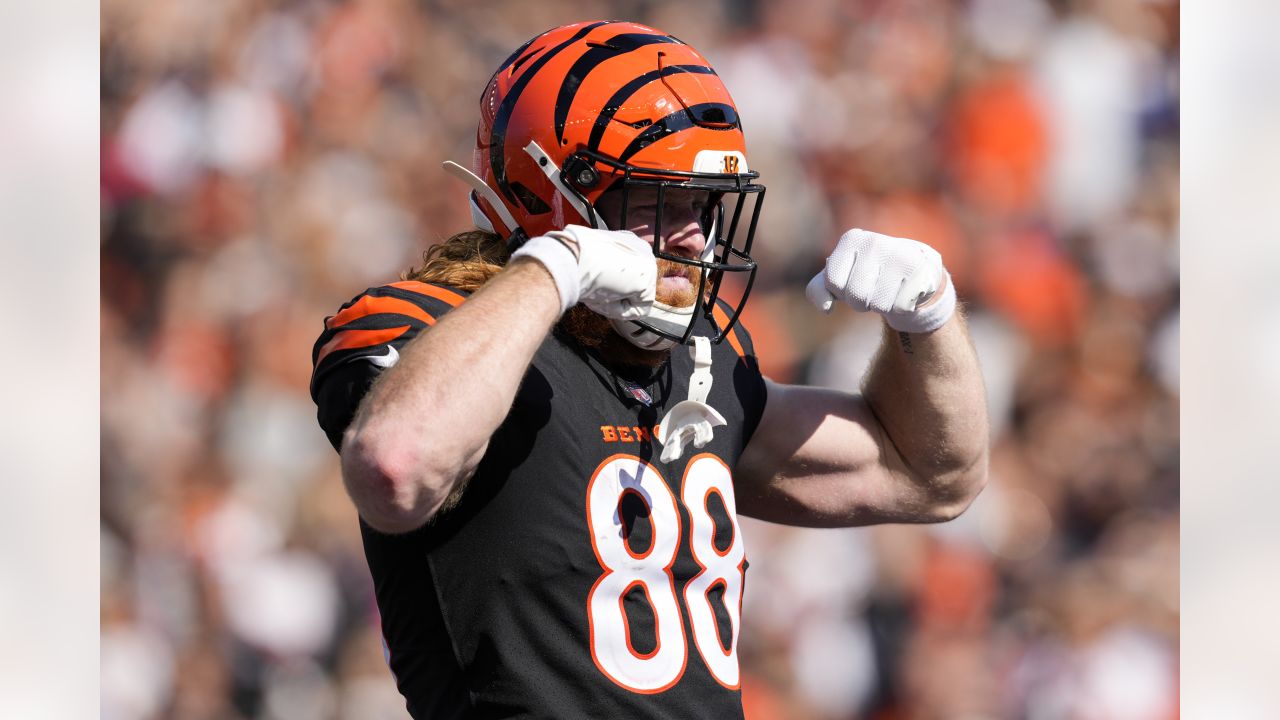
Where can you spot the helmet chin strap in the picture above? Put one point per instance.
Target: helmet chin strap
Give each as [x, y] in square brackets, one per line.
[665, 317]
[662, 316]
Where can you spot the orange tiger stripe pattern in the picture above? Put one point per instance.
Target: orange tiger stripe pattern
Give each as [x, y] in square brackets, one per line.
[349, 339]
[378, 303]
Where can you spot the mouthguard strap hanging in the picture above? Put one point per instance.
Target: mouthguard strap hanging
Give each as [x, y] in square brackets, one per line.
[691, 420]
[700, 380]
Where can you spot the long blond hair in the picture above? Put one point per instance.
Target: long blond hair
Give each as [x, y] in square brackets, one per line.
[465, 261]
[468, 259]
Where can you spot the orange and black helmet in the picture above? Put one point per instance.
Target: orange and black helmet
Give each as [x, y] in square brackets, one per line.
[593, 106]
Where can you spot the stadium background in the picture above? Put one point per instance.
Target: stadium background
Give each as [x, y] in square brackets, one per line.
[262, 162]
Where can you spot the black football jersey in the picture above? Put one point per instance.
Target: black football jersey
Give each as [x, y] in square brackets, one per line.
[580, 576]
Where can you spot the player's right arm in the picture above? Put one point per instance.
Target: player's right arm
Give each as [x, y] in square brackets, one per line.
[424, 425]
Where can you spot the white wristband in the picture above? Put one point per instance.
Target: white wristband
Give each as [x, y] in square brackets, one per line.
[560, 262]
[927, 319]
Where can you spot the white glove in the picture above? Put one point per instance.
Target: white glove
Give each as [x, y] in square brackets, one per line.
[613, 272]
[891, 276]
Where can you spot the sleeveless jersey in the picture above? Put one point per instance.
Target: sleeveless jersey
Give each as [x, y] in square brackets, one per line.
[579, 576]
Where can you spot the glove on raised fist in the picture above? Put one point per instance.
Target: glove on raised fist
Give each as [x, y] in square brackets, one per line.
[613, 272]
[901, 279]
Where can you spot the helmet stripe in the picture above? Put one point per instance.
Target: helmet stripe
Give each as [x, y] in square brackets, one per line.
[613, 47]
[498, 133]
[507, 63]
[631, 88]
[676, 122]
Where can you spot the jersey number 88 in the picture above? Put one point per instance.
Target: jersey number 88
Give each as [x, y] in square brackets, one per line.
[611, 646]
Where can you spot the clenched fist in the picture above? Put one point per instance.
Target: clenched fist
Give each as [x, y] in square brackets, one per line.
[613, 272]
[901, 279]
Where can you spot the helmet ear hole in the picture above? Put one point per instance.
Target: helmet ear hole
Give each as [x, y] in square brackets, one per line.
[531, 202]
[580, 173]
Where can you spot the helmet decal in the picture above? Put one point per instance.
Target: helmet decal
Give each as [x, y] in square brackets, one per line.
[611, 48]
[682, 119]
[620, 97]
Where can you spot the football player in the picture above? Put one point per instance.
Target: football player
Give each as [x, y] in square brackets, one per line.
[550, 428]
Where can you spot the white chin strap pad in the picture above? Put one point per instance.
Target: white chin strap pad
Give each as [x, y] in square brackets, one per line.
[662, 316]
[691, 420]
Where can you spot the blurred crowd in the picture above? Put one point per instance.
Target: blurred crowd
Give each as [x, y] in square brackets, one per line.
[265, 161]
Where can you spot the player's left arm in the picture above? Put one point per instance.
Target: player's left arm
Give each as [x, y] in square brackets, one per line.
[913, 445]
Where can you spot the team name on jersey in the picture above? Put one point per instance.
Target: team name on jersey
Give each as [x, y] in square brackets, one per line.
[628, 433]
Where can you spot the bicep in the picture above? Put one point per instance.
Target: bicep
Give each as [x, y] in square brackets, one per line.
[820, 458]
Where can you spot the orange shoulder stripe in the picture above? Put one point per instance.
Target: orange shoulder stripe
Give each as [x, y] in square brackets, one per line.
[371, 305]
[348, 339]
[723, 319]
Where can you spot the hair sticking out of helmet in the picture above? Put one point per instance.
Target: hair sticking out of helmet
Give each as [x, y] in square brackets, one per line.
[586, 108]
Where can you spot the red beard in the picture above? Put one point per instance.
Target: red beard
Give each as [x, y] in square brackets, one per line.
[683, 297]
[594, 331]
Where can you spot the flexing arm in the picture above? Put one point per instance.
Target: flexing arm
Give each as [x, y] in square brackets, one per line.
[425, 423]
[912, 447]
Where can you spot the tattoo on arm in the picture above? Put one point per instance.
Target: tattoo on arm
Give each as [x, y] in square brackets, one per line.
[905, 339]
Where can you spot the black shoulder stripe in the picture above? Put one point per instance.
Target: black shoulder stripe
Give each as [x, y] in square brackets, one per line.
[611, 48]
[380, 321]
[497, 137]
[363, 312]
[357, 328]
[631, 88]
[435, 306]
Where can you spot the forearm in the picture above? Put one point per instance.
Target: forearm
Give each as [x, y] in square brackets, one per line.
[926, 392]
[426, 422]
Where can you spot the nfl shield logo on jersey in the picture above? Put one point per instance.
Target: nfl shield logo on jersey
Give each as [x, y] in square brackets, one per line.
[639, 393]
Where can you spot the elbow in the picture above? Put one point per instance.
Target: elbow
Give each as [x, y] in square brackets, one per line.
[953, 492]
[390, 481]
